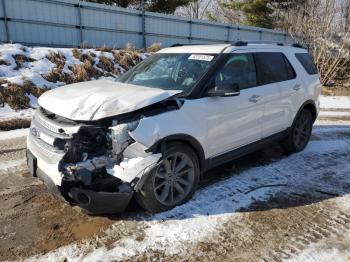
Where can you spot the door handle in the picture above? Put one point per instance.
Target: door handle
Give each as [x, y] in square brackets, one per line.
[297, 87]
[254, 98]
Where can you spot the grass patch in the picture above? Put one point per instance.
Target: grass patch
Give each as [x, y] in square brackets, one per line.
[76, 53]
[155, 47]
[16, 96]
[125, 59]
[105, 64]
[91, 71]
[79, 73]
[56, 75]
[129, 47]
[4, 62]
[8, 125]
[57, 58]
[21, 59]
[104, 49]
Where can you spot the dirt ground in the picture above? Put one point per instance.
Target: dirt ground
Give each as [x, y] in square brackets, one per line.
[33, 221]
[278, 227]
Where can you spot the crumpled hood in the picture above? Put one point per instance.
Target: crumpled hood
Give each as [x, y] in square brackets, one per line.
[94, 100]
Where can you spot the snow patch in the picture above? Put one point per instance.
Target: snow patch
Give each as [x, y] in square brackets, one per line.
[30, 70]
[7, 113]
[37, 64]
[334, 113]
[33, 101]
[10, 164]
[326, 250]
[335, 102]
[330, 123]
[14, 134]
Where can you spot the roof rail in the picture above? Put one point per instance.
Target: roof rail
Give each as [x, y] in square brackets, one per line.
[245, 43]
[240, 43]
[178, 44]
[297, 45]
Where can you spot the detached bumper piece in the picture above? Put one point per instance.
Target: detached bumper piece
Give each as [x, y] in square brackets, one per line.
[101, 202]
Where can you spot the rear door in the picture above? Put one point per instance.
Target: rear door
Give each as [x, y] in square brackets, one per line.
[292, 91]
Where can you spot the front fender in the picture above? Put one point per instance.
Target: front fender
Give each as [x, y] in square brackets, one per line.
[185, 121]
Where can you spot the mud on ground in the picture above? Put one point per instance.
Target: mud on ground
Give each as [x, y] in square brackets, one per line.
[33, 221]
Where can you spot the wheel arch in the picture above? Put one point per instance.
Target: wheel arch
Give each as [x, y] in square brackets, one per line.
[311, 106]
[192, 142]
[288, 142]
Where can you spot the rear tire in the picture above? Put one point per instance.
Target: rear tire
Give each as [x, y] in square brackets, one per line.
[300, 132]
[172, 182]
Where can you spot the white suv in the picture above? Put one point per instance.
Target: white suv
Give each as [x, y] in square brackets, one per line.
[180, 112]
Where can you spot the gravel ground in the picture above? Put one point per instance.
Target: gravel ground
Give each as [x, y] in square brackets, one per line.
[264, 207]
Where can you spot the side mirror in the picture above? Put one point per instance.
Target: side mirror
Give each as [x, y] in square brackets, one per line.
[225, 89]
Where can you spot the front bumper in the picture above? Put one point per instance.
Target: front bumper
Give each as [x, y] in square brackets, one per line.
[101, 202]
[94, 202]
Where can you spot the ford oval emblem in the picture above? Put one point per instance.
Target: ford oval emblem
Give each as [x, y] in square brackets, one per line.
[35, 132]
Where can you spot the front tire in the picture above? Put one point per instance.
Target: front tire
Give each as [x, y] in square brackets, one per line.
[300, 133]
[172, 182]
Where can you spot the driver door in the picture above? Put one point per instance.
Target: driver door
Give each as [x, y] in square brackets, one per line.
[234, 121]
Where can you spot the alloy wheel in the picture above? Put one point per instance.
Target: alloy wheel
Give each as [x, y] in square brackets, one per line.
[174, 179]
[302, 131]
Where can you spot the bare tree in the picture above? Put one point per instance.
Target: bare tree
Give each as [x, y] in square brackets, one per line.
[196, 9]
[346, 12]
[214, 10]
[317, 24]
[227, 15]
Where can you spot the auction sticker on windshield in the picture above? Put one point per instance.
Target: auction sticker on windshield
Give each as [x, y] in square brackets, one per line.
[201, 57]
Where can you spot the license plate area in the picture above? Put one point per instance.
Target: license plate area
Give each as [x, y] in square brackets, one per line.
[31, 163]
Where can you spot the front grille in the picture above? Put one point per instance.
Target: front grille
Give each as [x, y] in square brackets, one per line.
[43, 150]
[56, 135]
[42, 127]
[48, 133]
[39, 118]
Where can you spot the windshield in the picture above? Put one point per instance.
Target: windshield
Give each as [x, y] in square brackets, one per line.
[169, 71]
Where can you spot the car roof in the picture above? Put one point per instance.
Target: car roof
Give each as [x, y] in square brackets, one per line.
[227, 48]
[195, 49]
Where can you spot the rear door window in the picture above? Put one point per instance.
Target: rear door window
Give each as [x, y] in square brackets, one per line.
[307, 62]
[273, 67]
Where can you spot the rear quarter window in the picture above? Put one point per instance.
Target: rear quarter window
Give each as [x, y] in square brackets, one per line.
[307, 62]
[273, 67]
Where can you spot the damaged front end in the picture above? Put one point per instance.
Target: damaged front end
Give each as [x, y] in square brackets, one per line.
[103, 166]
[99, 164]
